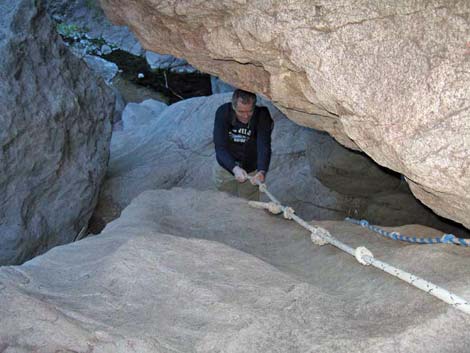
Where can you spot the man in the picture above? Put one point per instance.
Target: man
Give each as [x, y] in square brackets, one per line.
[242, 138]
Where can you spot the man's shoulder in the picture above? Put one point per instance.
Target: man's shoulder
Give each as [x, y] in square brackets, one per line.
[224, 107]
[222, 114]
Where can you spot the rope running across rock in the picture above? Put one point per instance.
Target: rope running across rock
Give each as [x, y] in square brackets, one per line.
[321, 236]
[444, 239]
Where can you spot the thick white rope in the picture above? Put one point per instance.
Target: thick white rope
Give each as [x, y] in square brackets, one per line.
[321, 236]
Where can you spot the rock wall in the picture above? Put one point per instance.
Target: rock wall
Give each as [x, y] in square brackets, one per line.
[390, 79]
[54, 135]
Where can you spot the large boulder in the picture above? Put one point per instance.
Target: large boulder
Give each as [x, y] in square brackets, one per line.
[54, 137]
[173, 147]
[390, 79]
[191, 271]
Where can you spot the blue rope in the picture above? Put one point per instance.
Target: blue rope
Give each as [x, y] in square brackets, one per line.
[445, 239]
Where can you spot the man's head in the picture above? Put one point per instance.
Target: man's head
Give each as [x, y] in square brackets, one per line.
[243, 103]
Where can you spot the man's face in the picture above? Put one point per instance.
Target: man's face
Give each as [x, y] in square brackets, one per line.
[243, 111]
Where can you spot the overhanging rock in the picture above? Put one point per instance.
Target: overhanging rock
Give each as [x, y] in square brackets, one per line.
[390, 79]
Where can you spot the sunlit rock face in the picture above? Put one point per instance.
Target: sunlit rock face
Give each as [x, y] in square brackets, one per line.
[391, 79]
[55, 128]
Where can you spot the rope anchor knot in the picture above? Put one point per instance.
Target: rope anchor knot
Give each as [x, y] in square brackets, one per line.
[360, 252]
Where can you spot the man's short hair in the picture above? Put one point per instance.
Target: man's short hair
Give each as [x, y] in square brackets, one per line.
[245, 96]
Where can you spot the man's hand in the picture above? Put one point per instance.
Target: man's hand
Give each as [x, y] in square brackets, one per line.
[240, 174]
[258, 178]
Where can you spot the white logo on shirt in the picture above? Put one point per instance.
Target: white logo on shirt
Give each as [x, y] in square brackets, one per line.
[240, 135]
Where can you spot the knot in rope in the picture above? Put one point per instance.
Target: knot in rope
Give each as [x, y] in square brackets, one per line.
[448, 238]
[288, 212]
[274, 208]
[360, 252]
[363, 223]
[262, 187]
[318, 236]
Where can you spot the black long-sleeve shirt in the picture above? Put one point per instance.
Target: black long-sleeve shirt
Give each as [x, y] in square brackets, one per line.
[245, 145]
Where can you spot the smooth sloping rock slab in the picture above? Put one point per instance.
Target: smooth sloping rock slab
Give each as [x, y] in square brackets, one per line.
[226, 278]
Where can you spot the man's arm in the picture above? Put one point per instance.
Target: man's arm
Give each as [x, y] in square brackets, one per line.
[265, 127]
[221, 127]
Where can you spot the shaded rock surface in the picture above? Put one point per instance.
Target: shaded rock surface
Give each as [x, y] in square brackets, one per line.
[132, 92]
[55, 130]
[105, 69]
[86, 30]
[168, 62]
[88, 14]
[137, 116]
[346, 171]
[391, 79]
[219, 86]
[192, 271]
[309, 170]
